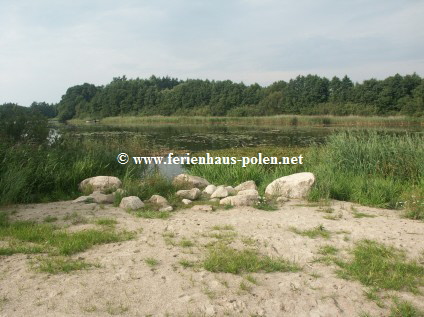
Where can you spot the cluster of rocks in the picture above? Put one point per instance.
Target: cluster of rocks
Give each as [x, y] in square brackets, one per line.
[104, 189]
[294, 186]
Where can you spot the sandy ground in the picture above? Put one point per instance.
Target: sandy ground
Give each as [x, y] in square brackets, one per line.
[124, 285]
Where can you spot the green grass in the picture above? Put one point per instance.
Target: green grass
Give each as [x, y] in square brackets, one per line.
[56, 265]
[362, 167]
[31, 237]
[362, 215]
[49, 173]
[185, 243]
[49, 219]
[402, 308]
[414, 204]
[382, 267]
[223, 227]
[106, 222]
[225, 259]
[328, 250]
[186, 263]
[317, 232]
[152, 262]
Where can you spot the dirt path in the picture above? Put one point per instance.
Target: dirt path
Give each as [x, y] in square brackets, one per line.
[124, 284]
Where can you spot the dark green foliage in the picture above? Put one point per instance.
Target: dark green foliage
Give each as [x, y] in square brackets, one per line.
[19, 124]
[309, 94]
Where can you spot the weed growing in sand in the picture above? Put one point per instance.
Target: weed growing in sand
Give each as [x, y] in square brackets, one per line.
[50, 219]
[186, 263]
[333, 217]
[225, 259]
[414, 204]
[402, 308]
[380, 266]
[223, 227]
[56, 265]
[362, 215]
[185, 243]
[106, 222]
[151, 214]
[328, 250]
[318, 231]
[251, 279]
[75, 218]
[245, 287]
[267, 206]
[152, 262]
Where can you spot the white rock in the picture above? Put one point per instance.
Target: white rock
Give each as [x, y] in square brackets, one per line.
[214, 199]
[131, 202]
[100, 198]
[166, 208]
[186, 201]
[292, 186]
[158, 200]
[246, 185]
[253, 192]
[240, 200]
[220, 192]
[191, 194]
[209, 189]
[231, 191]
[83, 200]
[190, 181]
[100, 183]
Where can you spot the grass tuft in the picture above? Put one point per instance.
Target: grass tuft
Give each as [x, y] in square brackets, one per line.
[225, 259]
[317, 232]
[382, 267]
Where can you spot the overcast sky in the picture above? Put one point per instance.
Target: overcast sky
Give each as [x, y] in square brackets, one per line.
[46, 46]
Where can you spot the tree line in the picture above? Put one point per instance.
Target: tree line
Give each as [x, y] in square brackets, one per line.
[309, 95]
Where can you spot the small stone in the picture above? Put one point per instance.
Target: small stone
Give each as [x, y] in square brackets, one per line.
[209, 189]
[190, 181]
[167, 208]
[131, 203]
[186, 201]
[158, 200]
[220, 192]
[191, 194]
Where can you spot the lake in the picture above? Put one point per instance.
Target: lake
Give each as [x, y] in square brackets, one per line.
[213, 137]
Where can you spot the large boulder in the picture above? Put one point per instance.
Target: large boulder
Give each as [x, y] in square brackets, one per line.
[100, 183]
[131, 203]
[220, 192]
[191, 194]
[240, 200]
[190, 181]
[293, 186]
[245, 186]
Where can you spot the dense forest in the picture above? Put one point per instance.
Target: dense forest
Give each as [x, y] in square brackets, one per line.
[307, 95]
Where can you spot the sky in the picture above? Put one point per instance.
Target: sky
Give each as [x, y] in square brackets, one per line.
[47, 46]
